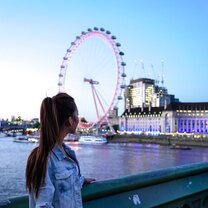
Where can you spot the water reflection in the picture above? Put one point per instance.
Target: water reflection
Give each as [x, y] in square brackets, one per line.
[99, 161]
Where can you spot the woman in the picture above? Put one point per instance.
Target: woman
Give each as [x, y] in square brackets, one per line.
[53, 176]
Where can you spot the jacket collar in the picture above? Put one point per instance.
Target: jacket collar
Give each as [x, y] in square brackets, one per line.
[59, 154]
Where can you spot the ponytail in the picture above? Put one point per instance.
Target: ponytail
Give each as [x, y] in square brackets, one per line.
[53, 113]
[37, 161]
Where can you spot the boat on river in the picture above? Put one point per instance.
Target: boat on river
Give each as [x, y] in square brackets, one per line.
[26, 139]
[180, 147]
[71, 138]
[21, 139]
[92, 139]
[33, 139]
[2, 134]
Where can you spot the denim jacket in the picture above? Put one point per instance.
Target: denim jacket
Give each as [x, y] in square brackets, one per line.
[63, 182]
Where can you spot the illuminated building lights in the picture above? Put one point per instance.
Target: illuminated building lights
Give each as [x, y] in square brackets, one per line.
[144, 112]
[165, 121]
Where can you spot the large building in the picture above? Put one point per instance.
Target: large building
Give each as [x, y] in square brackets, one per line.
[175, 118]
[139, 93]
[150, 109]
[144, 92]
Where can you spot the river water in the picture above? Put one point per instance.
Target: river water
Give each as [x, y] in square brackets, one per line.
[97, 161]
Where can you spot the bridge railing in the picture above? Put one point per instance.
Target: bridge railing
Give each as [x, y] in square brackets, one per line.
[178, 187]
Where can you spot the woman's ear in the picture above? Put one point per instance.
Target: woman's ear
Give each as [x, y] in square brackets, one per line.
[70, 121]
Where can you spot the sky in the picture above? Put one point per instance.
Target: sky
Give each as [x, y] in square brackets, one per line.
[34, 36]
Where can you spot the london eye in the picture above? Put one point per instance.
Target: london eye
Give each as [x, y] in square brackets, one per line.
[93, 72]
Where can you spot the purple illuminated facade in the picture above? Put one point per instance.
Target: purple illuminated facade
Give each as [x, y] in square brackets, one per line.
[176, 117]
[190, 117]
[151, 110]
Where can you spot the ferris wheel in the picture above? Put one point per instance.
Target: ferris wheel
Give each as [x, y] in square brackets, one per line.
[93, 72]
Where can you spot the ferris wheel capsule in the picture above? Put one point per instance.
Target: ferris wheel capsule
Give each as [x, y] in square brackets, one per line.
[123, 75]
[62, 66]
[115, 108]
[123, 64]
[89, 30]
[113, 37]
[102, 29]
[121, 53]
[118, 44]
[65, 58]
[123, 86]
[61, 75]
[110, 116]
[68, 50]
[108, 32]
[96, 28]
[119, 97]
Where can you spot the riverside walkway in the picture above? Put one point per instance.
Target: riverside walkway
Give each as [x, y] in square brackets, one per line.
[162, 140]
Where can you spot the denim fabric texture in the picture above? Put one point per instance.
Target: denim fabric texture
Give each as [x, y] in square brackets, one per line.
[63, 182]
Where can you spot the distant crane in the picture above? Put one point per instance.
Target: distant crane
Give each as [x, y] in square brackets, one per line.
[152, 74]
[142, 73]
[156, 77]
[142, 65]
[162, 77]
[135, 67]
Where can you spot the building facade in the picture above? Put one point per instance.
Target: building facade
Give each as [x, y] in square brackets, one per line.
[177, 117]
[144, 92]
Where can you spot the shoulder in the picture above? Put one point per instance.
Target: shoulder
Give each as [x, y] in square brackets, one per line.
[69, 150]
[51, 161]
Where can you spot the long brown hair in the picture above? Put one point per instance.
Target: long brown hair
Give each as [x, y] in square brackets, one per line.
[53, 114]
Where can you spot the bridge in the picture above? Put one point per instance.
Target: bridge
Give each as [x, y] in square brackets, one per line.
[178, 187]
[14, 128]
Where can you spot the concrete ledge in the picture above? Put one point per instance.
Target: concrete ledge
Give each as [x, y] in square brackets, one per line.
[163, 140]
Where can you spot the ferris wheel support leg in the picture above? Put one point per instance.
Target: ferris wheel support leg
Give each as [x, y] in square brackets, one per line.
[99, 101]
[105, 117]
[110, 126]
[93, 93]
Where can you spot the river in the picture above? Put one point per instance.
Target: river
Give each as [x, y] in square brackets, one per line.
[97, 161]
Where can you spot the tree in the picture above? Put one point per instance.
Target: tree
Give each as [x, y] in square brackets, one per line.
[83, 120]
[115, 127]
[18, 119]
[36, 125]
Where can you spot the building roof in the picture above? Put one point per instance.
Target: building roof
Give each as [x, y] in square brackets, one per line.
[146, 110]
[187, 106]
[171, 107]
[145, 80]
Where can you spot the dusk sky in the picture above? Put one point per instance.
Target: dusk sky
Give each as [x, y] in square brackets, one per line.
[34, 36]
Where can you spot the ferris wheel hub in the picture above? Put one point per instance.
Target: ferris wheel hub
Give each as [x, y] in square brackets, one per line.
[91, 81]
